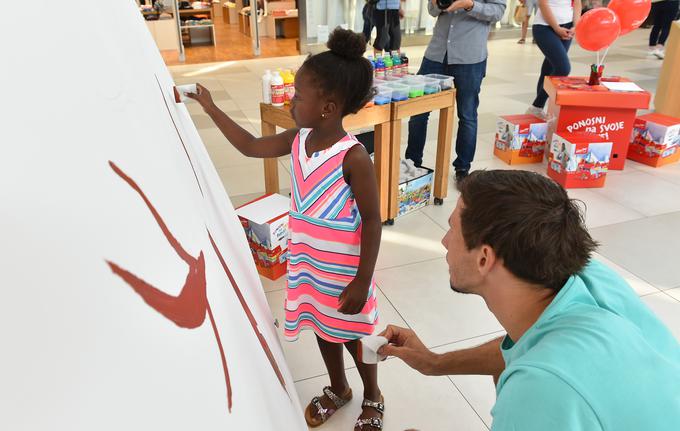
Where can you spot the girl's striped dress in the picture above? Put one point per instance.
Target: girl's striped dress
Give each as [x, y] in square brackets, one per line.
[325, 241]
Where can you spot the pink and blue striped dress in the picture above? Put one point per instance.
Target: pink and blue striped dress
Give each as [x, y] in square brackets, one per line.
[324, 247]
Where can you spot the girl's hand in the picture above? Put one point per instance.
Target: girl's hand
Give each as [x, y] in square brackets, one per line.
[202, 96]
[564, 33]
[353, 298]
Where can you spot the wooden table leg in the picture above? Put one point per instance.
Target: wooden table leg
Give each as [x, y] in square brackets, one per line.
[395, 154]
[271, 166]
[382, 166]
[442, 163]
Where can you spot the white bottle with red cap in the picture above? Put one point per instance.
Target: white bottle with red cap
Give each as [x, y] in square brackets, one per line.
[278, 94]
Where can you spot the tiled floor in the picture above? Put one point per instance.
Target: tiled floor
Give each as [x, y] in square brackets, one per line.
[636, 217]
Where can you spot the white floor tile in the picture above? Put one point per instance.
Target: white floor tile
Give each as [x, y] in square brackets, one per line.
[413, 238]
[642, 192]
[412, 401]
[675, 293]
[479, 391]
[648, 248]
[667, 309]
[422, 294]
[601, 211]
[243, 179]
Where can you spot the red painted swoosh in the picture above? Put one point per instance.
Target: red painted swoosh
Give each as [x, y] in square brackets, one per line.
[188, 309]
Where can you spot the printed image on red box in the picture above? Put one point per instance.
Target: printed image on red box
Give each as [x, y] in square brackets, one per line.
[656, 140]
[579, 160]
[520, 139]
[265, 221]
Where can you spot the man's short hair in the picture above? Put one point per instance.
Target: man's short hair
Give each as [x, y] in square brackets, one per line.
[529, 221]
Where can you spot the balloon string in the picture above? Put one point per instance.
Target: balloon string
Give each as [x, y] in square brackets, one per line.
[598, 58]
[604, 56]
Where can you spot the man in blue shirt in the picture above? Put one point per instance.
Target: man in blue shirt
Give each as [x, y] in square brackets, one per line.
[458, 49]
[582, 352]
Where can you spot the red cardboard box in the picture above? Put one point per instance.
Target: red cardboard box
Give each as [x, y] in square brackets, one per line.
[656, 140]
[578, 160]
[576, 106]
[520, 139]
[265, 221]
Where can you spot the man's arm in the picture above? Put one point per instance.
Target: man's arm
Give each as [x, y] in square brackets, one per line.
[405, 345]
[482, 10]
[433, 9]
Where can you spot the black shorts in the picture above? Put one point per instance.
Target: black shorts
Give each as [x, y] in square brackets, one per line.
[388, 30]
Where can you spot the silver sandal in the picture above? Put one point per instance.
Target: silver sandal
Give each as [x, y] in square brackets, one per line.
[372, 422]
[324, 412]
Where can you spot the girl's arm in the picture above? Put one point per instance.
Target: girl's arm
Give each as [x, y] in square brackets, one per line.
[577, 12]
[247, 144]
[360, 175]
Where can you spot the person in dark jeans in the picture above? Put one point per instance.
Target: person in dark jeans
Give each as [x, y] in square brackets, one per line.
[458, 48]
[553, 34]
[386, 16]
[367, 15]
[663, 12]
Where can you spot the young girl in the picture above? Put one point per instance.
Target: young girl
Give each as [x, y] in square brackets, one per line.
[335, 221]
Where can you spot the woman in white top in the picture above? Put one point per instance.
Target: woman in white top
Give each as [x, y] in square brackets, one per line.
[553, 32]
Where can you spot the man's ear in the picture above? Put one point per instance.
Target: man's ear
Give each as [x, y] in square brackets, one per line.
[486, 259]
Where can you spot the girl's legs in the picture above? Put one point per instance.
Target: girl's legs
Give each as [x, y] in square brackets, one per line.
[668, 15]
[369, 377]
[335, 364]
[556, 58]
[656, 28]
[368, 373]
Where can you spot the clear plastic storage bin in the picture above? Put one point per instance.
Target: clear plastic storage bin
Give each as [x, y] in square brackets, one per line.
[399, 91]
[383, 96]
[432, 86]
[445, 82]
[416, 86]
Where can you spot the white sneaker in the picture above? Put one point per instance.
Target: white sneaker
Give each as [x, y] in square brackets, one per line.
[651, 51]
[536, 112]
[659, 53]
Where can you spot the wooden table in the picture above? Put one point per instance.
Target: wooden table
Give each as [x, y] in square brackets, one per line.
[445, 102]
[376, 116]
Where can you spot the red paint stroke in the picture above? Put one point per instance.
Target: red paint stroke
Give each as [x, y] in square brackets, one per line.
[188, 309]
[249, 314]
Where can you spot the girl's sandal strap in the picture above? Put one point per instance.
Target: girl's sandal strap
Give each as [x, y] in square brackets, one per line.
[376, 423]
[339, 402]
[380, 407]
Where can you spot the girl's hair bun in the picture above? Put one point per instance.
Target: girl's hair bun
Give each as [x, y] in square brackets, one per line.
[347, 44]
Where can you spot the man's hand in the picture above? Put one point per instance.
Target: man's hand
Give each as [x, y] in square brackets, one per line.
[460, 4]
[405, 345]
[401, 13]
[353, 298]
[202, 96]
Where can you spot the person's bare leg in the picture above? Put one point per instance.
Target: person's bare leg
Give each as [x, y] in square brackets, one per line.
[525, 28]
[369, 377]
[335, 365]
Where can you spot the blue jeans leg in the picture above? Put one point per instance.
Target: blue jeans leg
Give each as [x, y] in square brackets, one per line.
[556, 61]
[467, 78]
[417, 125]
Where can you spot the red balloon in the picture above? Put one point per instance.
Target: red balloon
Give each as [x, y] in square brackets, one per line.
[597, 29]
[632, 13]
